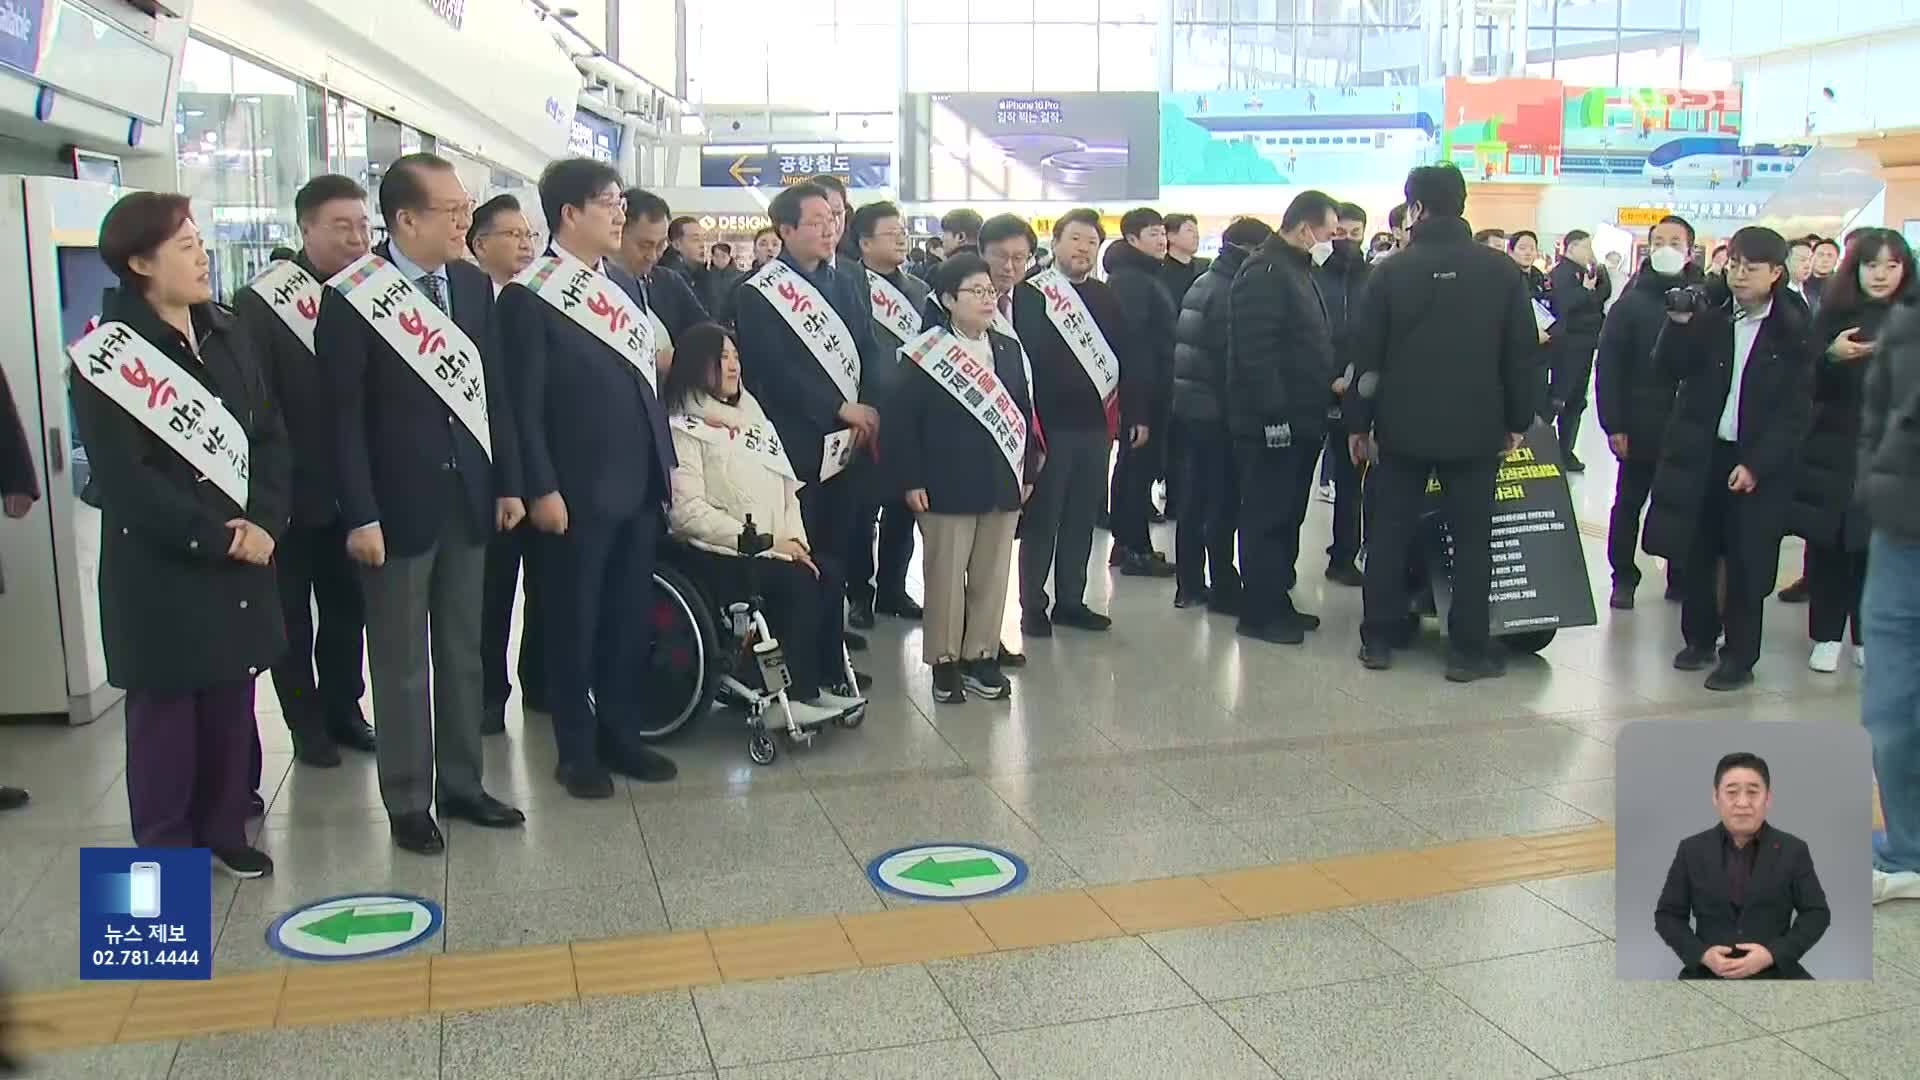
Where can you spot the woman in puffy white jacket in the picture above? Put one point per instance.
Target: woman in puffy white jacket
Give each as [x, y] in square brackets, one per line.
[732, 470]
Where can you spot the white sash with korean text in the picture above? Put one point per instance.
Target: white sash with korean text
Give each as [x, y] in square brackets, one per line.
[1075, 324]
[759, 443]
[182, 413]
[597, 305]
[961, 374]
[814, 322]
[425, 338]
[293, 295]
[892, 309]
[1005, 326]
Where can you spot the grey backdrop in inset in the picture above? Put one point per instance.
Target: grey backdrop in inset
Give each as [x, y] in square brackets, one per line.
[1083, 147]
[1822, 793]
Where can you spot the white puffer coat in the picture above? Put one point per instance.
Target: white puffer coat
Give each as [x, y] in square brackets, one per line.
[714, 488]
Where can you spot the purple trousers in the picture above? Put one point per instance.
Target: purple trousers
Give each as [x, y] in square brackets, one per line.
[190, 762]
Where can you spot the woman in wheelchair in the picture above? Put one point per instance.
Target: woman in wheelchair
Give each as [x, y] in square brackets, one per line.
[957, 440]
[732, 471]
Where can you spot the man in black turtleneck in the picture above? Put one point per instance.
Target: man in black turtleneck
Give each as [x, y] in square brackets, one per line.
[1635, 395]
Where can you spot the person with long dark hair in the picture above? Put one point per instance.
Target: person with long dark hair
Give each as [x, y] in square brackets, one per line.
[960, 450]
[192, 471]
[731, 469]
[1858, 297]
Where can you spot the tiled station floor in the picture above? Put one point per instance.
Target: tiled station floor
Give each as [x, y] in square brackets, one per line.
[1168, 749]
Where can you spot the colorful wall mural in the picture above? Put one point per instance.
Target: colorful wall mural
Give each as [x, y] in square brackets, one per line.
[1504, 129]
[1295, 136]
[1666, 138]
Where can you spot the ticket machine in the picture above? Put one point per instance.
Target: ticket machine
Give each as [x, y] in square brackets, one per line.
[51, 659]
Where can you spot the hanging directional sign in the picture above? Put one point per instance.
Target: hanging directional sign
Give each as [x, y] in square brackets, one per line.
[354, 927]
[947, 871]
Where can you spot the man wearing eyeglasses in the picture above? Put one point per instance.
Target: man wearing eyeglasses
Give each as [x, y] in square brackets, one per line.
[1724, 485]
[429, 471]
[318, 682]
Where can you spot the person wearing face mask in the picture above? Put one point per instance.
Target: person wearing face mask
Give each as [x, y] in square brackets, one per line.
[1875, 277]
[1579, 288]
[1342, 278]
[1134, 268]
[1441, 352]
[1281, 367]
[318, 681]
[1634, 396]
[1724, 485]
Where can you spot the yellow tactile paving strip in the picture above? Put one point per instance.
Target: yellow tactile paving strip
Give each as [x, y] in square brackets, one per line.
[98, 1014]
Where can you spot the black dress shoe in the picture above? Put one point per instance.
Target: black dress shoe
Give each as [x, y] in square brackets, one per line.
[494, 720]
[1728, 677]
[861, 617]
[1036, 626]
[1278, 632]
[13, 798]
[1184, 599]
[900, 607]
[1795, 593]
[1696, 659]
[1622, 598]
[1345, 573]
[1081, 618]
[417, 833]
[863, 682]
[315, 748]
[585, 781]
[855, 642]
[1376, 656]
[642, 764]
[1305, 621]
[350, 729]
[1466, 668]
[1011, 659]
[1574, 464]
[483, 810]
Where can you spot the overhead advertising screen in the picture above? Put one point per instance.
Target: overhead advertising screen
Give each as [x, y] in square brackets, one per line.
[999, 147]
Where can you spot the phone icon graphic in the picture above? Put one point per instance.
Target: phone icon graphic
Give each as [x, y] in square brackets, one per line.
[143, 894]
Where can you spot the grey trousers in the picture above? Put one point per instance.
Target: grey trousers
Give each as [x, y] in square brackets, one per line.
[968, 558]
[1056, 529]
[420, 608]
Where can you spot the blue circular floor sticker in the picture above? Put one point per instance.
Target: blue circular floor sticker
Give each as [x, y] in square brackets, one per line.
[947, 871]
[355, 927]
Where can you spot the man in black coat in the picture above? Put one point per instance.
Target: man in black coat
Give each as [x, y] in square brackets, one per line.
[810, 362]
[1634, 395]
[1207, 532]
[686, 256]
[598, 460]
[1742, 900]
[1579, 288]
[1183, 264]
[1443, 355]
[1724, 484]
[1342, 279]
[898, 301]
[318, 681]
[1280, 370]
[421, 494]
[1135, 271]
[643, 254]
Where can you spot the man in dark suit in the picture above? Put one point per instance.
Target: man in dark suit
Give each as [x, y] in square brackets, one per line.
[318, 681]
[806, 361]
[597, 455]
[420, 491]
[1742, 900]
[642, 254]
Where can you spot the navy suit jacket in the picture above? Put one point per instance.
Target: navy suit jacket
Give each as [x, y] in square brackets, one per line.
[397, 439]
[799, 396]
[591, 427]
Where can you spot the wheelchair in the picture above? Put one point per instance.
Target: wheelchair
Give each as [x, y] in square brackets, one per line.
[704, 654]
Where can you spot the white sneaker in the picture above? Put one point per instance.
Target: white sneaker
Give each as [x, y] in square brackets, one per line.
[837, 703]
[808, 715]
[1326, 493]
[1860, 656]
[1826, 656]
[1901, 885]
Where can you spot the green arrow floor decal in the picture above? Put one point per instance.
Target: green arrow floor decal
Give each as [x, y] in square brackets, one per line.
[349, 923]
[945, 874]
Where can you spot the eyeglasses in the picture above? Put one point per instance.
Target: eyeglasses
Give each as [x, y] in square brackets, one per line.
[978, 292]
[615, 202]
[522, 236]
[1742, 266]
[461, 211]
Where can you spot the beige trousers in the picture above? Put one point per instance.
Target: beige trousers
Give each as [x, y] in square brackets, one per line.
[967, 561]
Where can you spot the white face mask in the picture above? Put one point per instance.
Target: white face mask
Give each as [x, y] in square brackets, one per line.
[1666, 260]
[1321, 252]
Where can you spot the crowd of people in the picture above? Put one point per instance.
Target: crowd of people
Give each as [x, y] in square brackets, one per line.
[408, 435]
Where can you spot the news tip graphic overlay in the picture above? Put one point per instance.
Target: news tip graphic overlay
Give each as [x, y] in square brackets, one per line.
[146, 913]
[1801, 788]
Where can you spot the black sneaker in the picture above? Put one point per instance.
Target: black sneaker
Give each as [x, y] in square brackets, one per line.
[1694, 658]
[1466, 668]
[1622, 598]
[984, 680]
[900, 607]
[948, 686]
[1152, 565]
[1375, 657]
[245, 863]
[1184, 598]
[1035, 625]
[1345, 573]
[861, 617]
[1081, 618]
[1795, 593]
[13, 798]
[1728, 677]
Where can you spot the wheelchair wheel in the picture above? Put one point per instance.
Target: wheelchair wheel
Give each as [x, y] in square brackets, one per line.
[682, 668]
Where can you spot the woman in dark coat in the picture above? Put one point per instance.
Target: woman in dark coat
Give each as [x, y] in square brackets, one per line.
[964, 484]
[1876, 274]
[1726, 475]
[189, 608]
